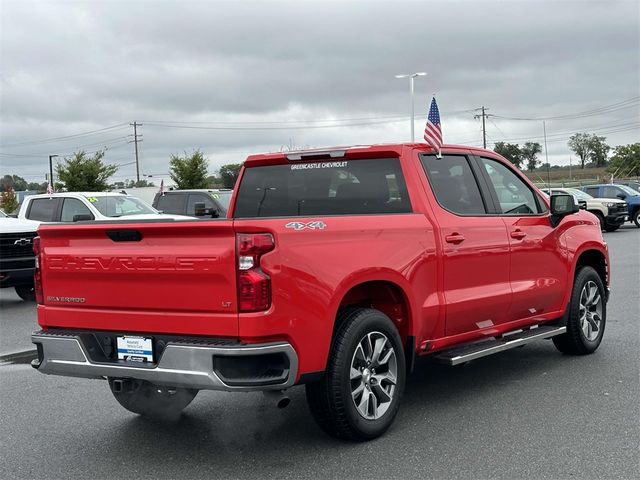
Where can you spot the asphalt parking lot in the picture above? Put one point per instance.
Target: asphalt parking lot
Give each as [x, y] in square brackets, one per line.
[526, 413]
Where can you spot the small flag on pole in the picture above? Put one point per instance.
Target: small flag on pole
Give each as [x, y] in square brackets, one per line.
[162, 187]
[49, 189]
[433, 130]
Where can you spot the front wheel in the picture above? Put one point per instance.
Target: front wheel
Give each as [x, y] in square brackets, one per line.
[636, 218]
[26, 292]
[359, 396]
[150, 400]
[587, 315]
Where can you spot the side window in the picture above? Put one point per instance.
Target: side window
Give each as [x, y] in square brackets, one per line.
[72, 207]
[593, 191]
[454, 184]
[612, 192]
[514, 196]
[199, 198]
[43, 209]
[170, 203]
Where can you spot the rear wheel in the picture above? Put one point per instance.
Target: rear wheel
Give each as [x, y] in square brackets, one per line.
[587, 315]
[26, 292]
[612, 228]
[359, 396]
[150, 400]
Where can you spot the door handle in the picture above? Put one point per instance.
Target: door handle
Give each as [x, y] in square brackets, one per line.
[519, 234]
[454, 238]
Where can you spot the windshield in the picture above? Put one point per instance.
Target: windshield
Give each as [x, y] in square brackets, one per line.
[629, 190]
[120, 206]
[579, 194]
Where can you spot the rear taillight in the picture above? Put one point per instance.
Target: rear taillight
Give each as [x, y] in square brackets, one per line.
[37, 276]
[254, 286]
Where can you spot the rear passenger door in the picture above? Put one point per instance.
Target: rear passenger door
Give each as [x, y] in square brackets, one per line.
[538, 267]
[475, 246]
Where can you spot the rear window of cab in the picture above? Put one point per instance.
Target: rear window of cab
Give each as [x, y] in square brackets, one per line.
[342, 187]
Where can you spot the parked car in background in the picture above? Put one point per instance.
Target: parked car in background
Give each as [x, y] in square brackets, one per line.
[86, 206]
[621, 192]
[634, 184]
[611, 212]
[210, 203]
[17, 261]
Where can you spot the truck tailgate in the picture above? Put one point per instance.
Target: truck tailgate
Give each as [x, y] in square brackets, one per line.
[173, 277]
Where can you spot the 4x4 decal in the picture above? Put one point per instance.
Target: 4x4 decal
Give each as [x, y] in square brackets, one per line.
[318, 225]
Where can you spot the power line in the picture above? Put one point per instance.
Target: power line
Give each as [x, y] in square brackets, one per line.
[65, 137]
[624, 104]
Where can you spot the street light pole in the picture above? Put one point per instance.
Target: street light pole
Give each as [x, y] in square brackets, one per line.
[51, 171]
[411, 77]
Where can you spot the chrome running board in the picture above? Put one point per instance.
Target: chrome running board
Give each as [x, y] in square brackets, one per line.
[472, 351]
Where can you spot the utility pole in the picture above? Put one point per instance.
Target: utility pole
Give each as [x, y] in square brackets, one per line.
[135, 141]
[51, 157]
[484, 128]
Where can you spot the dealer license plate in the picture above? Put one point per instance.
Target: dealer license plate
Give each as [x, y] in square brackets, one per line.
[135, 349]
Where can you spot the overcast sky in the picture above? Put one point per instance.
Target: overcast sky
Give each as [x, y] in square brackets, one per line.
[199, 74]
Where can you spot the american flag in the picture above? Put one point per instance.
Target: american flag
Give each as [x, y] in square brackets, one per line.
[162, 187]
[433, 130]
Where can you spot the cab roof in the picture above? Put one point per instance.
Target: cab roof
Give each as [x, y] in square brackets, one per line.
[354, 151]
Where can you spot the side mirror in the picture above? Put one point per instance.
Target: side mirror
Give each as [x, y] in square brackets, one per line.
[621, 196]
[83, 217]
[561, 206]
[200, 209]
[582, 204]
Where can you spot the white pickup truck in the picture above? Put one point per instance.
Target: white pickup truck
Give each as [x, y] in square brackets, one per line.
[17, 260]
[86, 206]
[611, 212]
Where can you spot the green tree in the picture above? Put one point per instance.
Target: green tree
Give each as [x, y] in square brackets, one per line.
[13, 182]
[580, 144]
[599, 151]
[8, 201]
[229, 174]
[530, 151]
[625, 161]
[189, 171]
[84, 173]
[138, 184]
[510, 151]
[38, 187]
[589, 148]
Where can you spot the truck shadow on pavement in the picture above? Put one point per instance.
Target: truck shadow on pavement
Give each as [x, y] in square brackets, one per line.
[218, 428]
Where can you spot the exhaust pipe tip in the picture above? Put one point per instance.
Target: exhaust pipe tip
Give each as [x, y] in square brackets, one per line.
[280, 399]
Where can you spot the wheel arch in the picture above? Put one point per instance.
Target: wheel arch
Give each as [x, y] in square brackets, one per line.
[386, 291]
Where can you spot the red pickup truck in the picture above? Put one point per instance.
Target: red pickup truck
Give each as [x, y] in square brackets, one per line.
[335, 269]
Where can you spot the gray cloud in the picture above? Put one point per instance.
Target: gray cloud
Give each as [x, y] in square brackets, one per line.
[69, 67]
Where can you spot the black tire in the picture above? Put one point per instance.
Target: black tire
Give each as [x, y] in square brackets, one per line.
[154, 401]
[575, 341]
[26, 292]
[611, 228]
[601, 220]
[636, 218]
[330, 399]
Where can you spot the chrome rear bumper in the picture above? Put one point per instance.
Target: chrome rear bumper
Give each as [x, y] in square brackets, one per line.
[182, 365]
